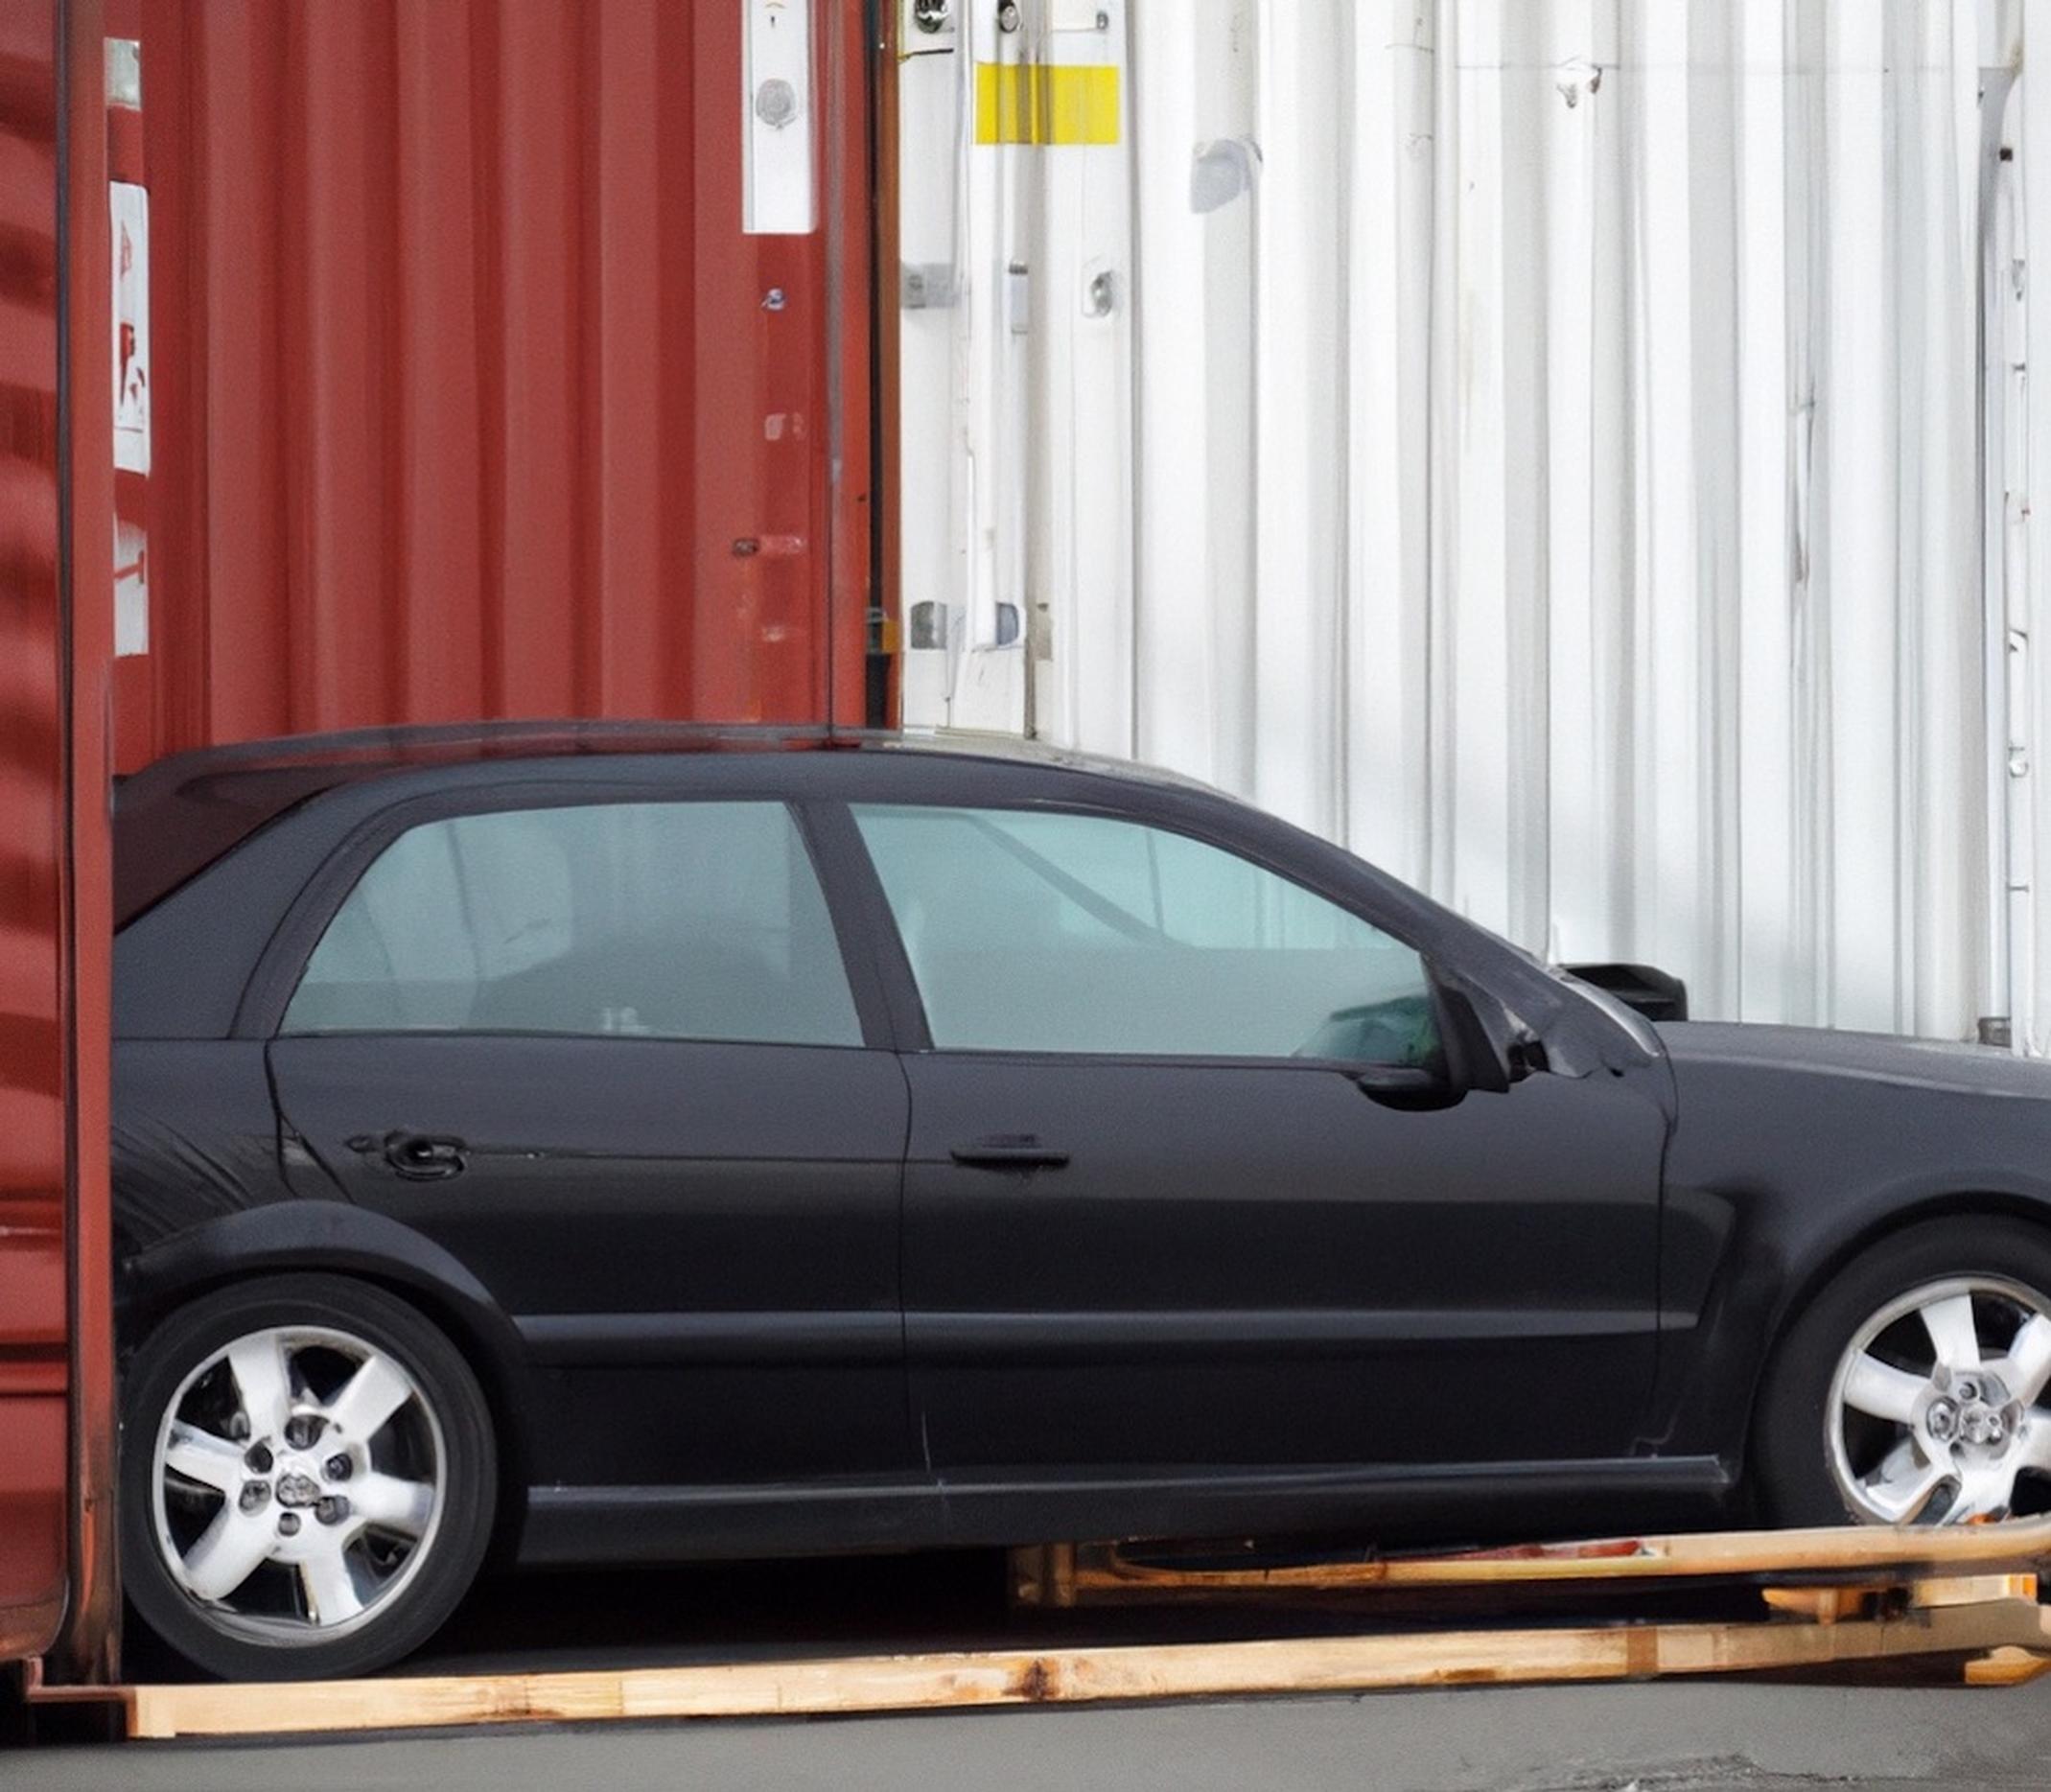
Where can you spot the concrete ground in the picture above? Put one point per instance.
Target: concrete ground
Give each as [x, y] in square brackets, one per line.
[1655, 1738]
[1666, 1736]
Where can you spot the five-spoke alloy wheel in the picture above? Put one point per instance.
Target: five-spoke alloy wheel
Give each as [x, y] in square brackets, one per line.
[308, 1478]
[303, 1449]
[1933, 1412]
[1912, 1387]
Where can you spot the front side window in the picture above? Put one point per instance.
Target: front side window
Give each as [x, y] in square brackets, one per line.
[1033, 930]
[685, 921]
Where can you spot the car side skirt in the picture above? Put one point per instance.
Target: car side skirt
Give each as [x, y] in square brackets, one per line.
[578, 1526]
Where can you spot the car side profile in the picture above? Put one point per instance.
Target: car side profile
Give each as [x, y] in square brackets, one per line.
[590, 1144]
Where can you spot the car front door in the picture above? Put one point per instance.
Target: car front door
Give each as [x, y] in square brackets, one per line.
[607, 1054]
[1177, 1208]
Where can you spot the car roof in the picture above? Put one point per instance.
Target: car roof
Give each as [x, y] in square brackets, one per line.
[176, 817]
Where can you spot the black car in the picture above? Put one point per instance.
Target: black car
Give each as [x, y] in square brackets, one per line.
[644, 1144]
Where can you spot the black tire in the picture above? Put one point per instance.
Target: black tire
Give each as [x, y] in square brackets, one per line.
[184, 1342]
[1791, 1471]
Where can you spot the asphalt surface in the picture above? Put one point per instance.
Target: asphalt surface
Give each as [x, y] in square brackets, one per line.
[1652, 1737]
[1664, 1736]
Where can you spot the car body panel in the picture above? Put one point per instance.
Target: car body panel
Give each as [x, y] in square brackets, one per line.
[697, 1243]
[195, 1136]
[1249, 1264]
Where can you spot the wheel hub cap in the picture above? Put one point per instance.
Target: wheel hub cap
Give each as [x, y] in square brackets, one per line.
[1981, 1424]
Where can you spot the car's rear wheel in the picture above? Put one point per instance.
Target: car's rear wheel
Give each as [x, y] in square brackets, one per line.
[308, 1480]
[1912, 1391]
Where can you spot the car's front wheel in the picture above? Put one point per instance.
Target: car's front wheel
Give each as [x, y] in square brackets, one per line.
[308, 1480]
[1912, 1391]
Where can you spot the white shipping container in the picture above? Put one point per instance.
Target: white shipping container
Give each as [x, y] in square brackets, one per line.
[1574, 452]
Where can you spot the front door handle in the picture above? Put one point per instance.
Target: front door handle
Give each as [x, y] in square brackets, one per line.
[423, 1159]
[1008, 1151]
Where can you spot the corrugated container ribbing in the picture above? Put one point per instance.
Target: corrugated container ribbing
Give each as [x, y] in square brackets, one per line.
[33, 1307]
[472, 396]
[1553, 438]
[56, 1367]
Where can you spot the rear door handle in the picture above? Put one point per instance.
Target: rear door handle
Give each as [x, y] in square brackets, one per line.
[1008, 1151]
[418, 1157]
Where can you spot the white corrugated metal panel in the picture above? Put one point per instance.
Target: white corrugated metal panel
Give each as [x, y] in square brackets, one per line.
[1553, 433]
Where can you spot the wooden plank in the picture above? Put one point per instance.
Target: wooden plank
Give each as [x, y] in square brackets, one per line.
[1102, 1573]
[2008, 1667]
[1822, 1605]
[1079, 1675]
[1973, 1588]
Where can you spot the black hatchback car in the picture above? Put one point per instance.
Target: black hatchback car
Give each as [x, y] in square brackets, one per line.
[651, 1144]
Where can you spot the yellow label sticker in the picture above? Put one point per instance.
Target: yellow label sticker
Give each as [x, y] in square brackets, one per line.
[1041, 103]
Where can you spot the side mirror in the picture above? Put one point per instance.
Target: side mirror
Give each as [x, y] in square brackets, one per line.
[1405, 1085]
[1477, 1058]
[1653, 993]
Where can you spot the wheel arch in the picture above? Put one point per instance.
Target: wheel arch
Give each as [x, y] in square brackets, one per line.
[1856, 1241]
[1876, 1230]
[333, 1238]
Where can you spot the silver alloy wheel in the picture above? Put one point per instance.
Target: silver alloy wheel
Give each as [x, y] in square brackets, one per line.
[298, 1482]
[1933, 1414]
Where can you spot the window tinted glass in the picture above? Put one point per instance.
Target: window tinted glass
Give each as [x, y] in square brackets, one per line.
[688, 920]
[1034, 931]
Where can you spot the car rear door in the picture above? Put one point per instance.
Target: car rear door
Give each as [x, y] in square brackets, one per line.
[606, 1050]
[1157, 1229]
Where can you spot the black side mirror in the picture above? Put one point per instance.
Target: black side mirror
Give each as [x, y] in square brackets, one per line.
[1653, 993]
[1405, 1085]
[1477, 1058]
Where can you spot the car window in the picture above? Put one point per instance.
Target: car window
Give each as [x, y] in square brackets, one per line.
[1033, 930]
[688, 920]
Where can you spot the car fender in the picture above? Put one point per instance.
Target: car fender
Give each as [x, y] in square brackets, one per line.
[1751, 1232]
[330, 1236]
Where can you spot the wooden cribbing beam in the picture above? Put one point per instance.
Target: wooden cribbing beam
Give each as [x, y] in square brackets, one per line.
[1062, 1574]
[2007, 1635]
[1836, 1599]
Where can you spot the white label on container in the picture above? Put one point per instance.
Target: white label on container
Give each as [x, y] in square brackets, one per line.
[131, 589]
[125, 73]
[776, 119]
[130, 205]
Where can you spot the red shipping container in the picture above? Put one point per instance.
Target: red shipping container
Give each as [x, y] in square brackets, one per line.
[32, 1302]
[57, 1370]
[471, 395]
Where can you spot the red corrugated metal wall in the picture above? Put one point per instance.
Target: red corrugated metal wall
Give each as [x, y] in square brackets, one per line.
[56, 1368]
[471, 397]
[32, 1471]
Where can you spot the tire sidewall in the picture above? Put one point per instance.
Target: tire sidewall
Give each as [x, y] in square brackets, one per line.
[1790, 1466]
[194, 1333]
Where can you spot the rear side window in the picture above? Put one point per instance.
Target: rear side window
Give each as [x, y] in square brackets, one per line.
[1033, 930]
[685, 921]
